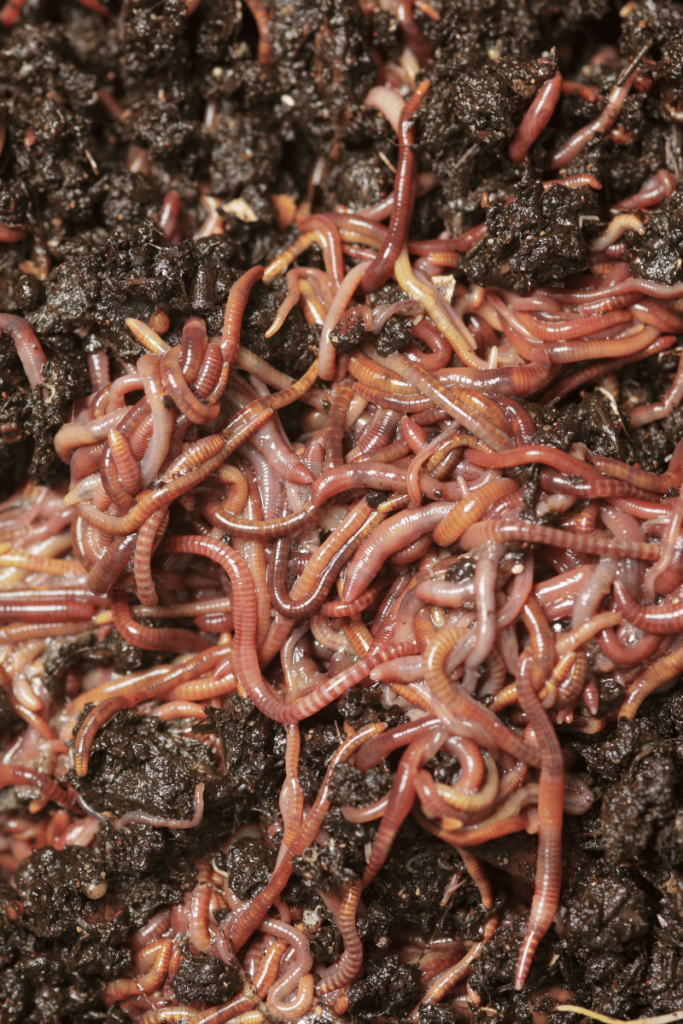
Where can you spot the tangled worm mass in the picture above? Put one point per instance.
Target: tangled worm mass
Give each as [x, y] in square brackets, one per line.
[404, 526]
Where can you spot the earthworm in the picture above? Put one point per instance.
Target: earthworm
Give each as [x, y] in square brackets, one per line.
[469, 510]
[460, 704]
[150, 638]
[401, 798]
[176, 387]
[15, 775]
[325, 232]
[652, 312]
[442, 320]
[339, 304]
[149, 535]
[234, 311]
[605, 119]
[127, 466]
[143, 818]
[446, 981]
[249, 918]
[315, 598]
[173, 485]
[334, 427]
[456, 798]
[123, 988]
[375, 435]
[267, 529]
[536, 118]
[457, 402]
[615, 229]
[550, 800]
[589, 597]
[372, 752]
[110, 481]
[298, 975]
[656, 619]
[485, 607]
[244, 649]
[380, 269]
[129, 692]
[645, 414]
[351, 959]
[361, 815]
[595, 544]
[162, 418]
[389, 537]
[169, 213]
[662, 183]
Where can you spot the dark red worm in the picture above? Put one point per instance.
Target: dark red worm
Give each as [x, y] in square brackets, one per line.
[536, 118]
[234, 311]
[382, 266]
[149, 638]
[550, 799]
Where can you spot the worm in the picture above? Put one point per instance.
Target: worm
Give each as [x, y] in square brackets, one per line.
[536, 118]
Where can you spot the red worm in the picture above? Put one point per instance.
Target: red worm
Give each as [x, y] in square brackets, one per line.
[331, 245]
[334, 427]
[149, 535]
[170, 207]
[654, 619]
[127, 466]
[131, 693]
[111, 482]
[558, 483]
[234, 311]
[209, 375]
[348, 965]
[148, 638]
[265, 529]
[177, 480]
[550, 802]
[382, 266]
[462, 706]
[588, 373]
[124, 988]
[337, 609]
[13, 775]
[452, 401]
[46, 611]
[569, 330]
[604, 121]
[245, 654]
[400, 799]
[534, 533]
[253, 912]
[259, 12]
[536, 118]
[313, 601]
[627, 654]
[29, 349]
[372, 752]
[177, 389]
[106, 571]
[392, 536]
[570, 352]
[143, 818]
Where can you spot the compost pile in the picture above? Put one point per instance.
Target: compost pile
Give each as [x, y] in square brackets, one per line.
[341, 552]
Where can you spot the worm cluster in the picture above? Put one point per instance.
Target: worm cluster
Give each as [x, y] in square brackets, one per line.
[275, 630]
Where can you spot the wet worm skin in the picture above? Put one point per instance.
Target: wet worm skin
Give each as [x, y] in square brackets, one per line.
[404, 197]
[550, 800]
[536, 118]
